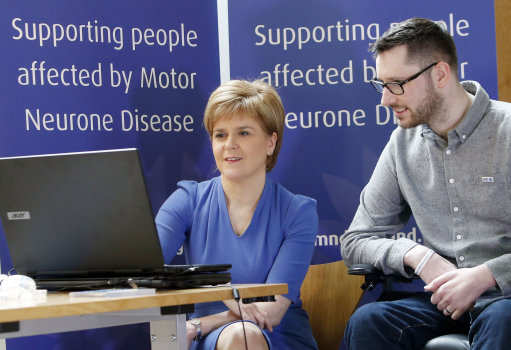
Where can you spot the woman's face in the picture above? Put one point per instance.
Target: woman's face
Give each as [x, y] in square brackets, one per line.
[241, 147]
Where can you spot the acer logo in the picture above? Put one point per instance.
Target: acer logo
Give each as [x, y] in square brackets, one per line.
[18, 215]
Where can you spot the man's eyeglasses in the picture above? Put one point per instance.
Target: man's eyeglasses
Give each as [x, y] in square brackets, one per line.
[396, 87]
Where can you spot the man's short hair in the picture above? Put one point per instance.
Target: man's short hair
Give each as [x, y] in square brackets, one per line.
[425, 40]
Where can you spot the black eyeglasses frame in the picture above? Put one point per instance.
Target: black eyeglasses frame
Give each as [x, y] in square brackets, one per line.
[380, 86]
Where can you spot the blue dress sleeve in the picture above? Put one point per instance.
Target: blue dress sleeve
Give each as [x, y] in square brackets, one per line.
[174, 219]
[295, 254]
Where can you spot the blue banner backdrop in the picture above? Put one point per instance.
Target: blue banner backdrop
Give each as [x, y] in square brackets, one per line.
[92, 75]
[316, 54]
[96, 75]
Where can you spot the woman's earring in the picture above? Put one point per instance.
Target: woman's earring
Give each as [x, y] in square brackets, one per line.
[270, 153]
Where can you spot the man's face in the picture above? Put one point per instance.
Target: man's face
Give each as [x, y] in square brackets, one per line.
[421, 102]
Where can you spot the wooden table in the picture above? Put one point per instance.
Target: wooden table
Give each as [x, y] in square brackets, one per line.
[165, 310]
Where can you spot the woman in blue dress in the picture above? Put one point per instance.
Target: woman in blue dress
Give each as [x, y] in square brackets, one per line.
[244, 218]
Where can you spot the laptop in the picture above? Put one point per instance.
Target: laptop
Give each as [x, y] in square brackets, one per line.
[83, 220]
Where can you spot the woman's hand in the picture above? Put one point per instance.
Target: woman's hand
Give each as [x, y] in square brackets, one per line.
[265, 314]
[250, 312]
[191, 332]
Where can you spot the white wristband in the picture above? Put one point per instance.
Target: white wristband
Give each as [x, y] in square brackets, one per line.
[424, 261]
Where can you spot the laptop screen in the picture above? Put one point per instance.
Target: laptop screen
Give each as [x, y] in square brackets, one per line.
[78, 213]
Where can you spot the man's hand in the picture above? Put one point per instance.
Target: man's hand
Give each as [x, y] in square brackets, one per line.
[435, 266]
[456, 291]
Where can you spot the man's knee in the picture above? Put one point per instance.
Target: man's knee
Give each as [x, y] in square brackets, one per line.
[367, 314]
[497, 316]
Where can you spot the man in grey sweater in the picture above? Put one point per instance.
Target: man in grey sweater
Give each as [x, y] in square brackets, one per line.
[449, 165]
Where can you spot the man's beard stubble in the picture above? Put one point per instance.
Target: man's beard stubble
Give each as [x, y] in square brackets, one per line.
[430, 110]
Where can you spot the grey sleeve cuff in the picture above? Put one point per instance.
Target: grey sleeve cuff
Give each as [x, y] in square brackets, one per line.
[499, 267]
[397, 254]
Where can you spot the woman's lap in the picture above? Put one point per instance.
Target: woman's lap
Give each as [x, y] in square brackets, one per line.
[293, 332]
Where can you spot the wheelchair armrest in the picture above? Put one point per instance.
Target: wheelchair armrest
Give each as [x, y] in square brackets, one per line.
[363, 269]
[373, 276]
